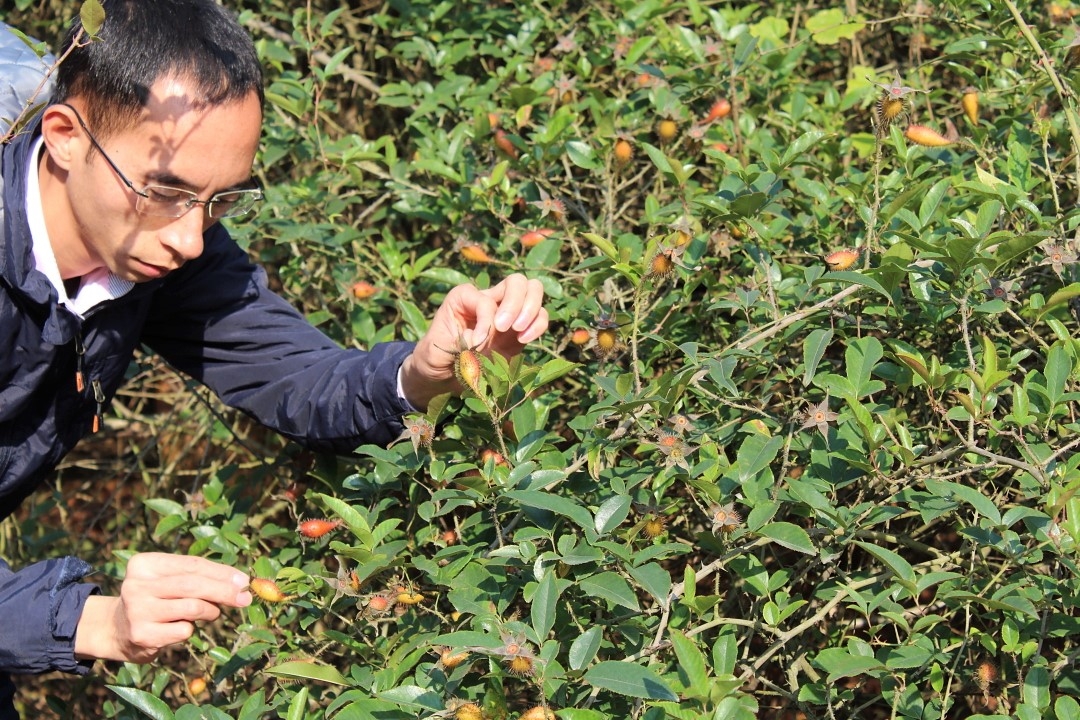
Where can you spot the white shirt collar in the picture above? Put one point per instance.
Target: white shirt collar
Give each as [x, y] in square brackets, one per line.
[97, 286]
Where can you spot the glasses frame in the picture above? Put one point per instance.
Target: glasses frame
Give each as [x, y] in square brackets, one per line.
[179, 206]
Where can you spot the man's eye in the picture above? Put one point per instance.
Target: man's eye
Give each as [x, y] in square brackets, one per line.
[166, 194]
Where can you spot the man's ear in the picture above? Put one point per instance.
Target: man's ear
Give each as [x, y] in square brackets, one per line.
[63, 137]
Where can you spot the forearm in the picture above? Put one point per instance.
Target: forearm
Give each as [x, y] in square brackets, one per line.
[40, 607]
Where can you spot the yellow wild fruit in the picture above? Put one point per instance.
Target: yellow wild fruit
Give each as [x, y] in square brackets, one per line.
[469, 711]
[667, 129]
[538, 712]
[970, 102]
[467, 369]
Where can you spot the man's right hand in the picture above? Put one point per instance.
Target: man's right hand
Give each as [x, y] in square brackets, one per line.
[161, 598]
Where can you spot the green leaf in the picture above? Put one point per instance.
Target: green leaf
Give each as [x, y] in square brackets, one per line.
[544, 604]
[1067, 708]
[1058, 369]
[303, 670]
[899, 567]
[841, 663]
[850, 277]
[582, 155]
[817, 342]
[755, 454]
[1060, 297]
[655, 580]
[298, 706]
[585, 647]
[829, 27]
[790, 536]
[92, 15]
[553, 503]
[973, 497]
[691, 663]
[612, 513]
[630, 679]
[349, 515]
[612, 587]
[553, 370]
[861, 357]
[801, 144]
[1036, 690]
[603, 245]
[413, 696]
[149, 705]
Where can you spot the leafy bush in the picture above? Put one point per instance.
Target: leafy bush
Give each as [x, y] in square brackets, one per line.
[801, 441]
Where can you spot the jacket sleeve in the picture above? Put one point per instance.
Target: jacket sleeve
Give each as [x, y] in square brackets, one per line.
[40, 607]
[216, 320]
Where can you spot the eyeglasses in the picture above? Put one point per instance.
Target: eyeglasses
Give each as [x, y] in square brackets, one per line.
[164, 201]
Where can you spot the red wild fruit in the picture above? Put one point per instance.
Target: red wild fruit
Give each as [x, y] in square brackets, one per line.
[316, 528]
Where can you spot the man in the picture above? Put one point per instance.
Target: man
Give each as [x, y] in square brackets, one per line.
[110, 238]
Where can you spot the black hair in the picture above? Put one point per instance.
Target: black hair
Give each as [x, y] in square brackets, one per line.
[142, 41]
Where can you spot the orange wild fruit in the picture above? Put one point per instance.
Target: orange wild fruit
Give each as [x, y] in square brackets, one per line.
[197, 686]
[841, 259]
[474, 253]
[449, 659]
[532, 238]
[922, 135]
[667, 129]
[662, 264]
[986, 674]
[623, 151]
[378, 603]
[503, 142]
[580, 336]
[316, 528]
[493, 455]
[720, 109]
[362, 290]
[268, 590]
[970, 102]
[449, 536]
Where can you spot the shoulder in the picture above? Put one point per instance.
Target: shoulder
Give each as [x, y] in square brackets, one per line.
[22, 67]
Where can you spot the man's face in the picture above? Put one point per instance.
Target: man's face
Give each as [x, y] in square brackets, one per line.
[94, 223]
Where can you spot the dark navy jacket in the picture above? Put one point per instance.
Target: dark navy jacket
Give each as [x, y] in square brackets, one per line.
[215, 320]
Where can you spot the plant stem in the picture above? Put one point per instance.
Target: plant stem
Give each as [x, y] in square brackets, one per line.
[1055, 80]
